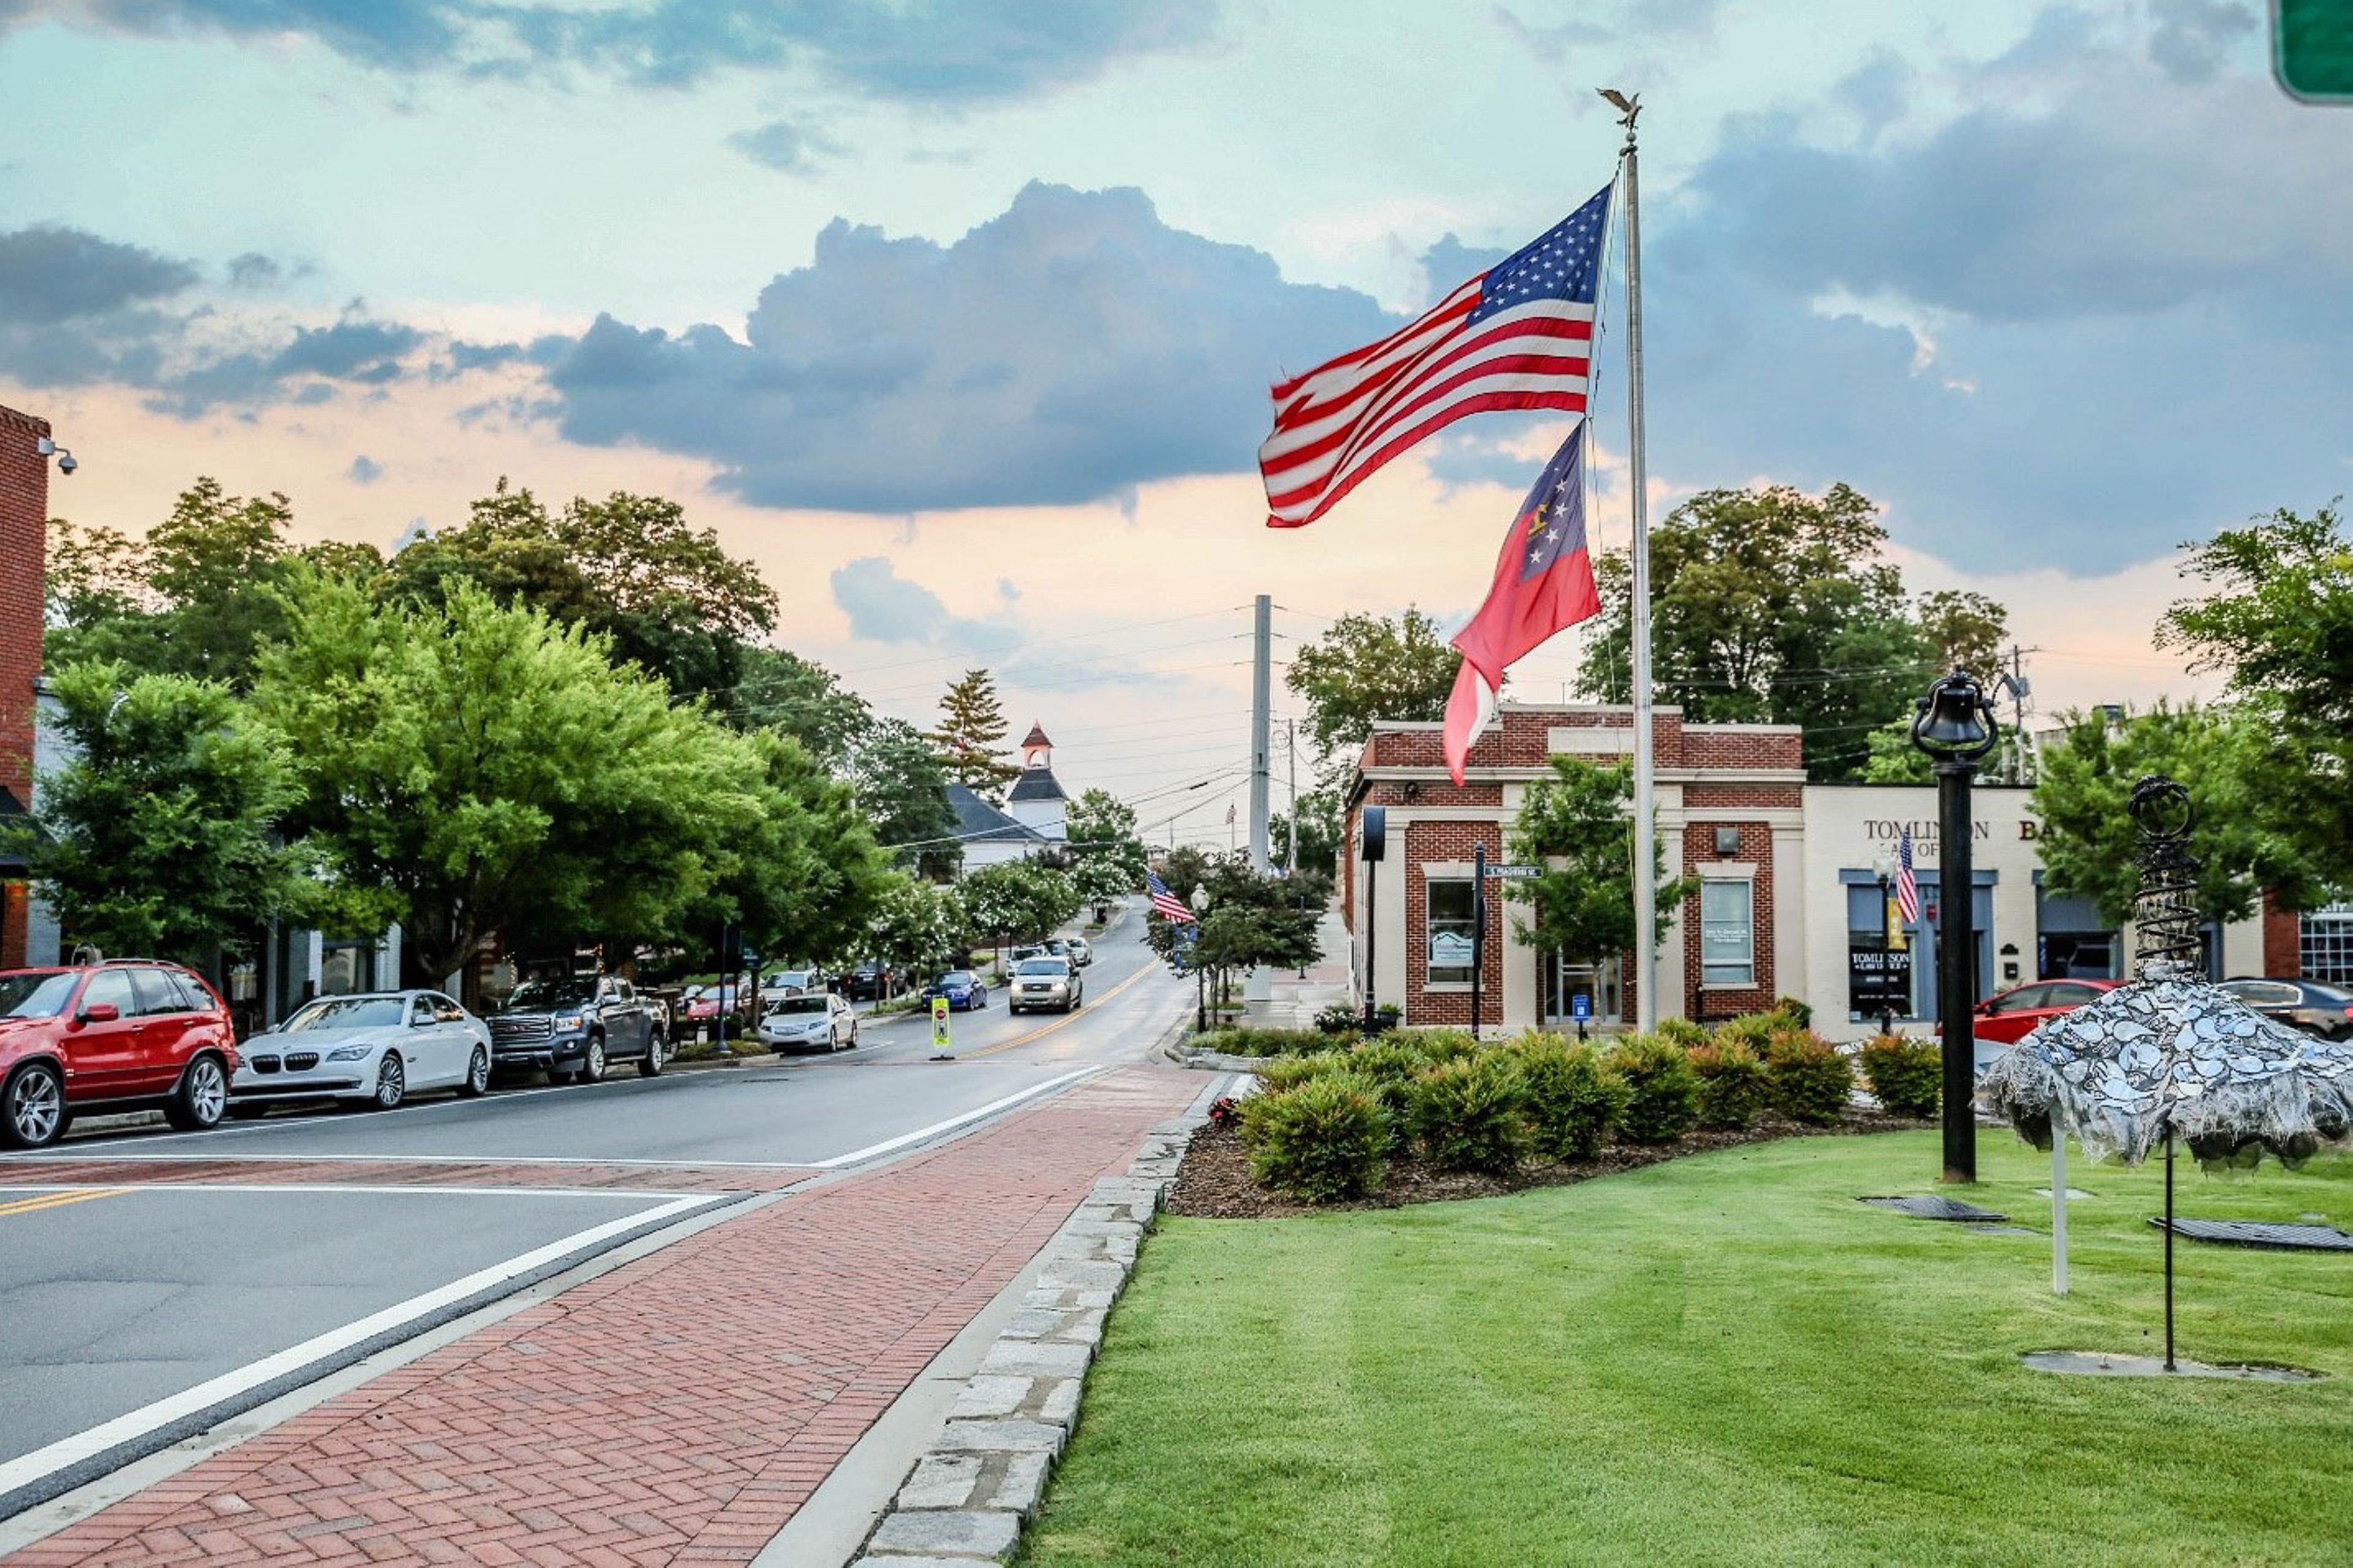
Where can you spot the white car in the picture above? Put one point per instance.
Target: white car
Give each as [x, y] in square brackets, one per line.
[790, 982]
[375, 1050]
[815, 1023]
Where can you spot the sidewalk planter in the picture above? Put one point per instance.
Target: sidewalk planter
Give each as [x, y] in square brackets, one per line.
[966, 1500]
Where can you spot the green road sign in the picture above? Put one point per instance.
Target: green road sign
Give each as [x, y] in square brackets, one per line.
[2312, 48]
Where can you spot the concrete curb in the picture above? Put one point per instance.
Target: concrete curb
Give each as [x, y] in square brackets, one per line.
[1213, 1061]
[985, 1476]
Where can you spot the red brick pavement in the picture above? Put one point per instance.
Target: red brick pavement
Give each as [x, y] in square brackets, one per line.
[99, 1171]
[678, 1409]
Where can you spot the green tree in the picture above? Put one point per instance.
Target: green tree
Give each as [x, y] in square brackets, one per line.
[782, 692]
[918, 927]
[1579, 824]
[902, 787]
[1364, 668]
[971, 734]
[2090, 845]
[1282, 911]
[1774, 607]
[1108, 856]
[1018, 900]
[669, 597]
[1893, 759]
[480, 768]
[803, 878]
[1319, 831]
[160, 835]
[2278, 618]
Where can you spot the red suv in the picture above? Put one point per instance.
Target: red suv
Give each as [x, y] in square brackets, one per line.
[127, 1035]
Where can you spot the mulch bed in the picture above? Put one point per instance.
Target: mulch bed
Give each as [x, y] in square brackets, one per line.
[1214, 1180]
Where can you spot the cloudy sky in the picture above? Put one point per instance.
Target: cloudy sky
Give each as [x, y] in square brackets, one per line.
[957, 315]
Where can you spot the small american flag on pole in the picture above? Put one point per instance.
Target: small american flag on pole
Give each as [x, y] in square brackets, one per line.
[1907, 884]
[1169, 905]
[1518, 335]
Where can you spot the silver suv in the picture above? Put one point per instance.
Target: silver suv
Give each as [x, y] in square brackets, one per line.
[1045, 981]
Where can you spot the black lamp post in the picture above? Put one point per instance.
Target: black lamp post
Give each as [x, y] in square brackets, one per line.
[1201, 901]
[1956, 727]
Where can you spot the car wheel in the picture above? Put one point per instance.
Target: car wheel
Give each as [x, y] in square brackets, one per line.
[478, 1075]
[201, 1098]
[852, 1044]
[33, 1108]
[651, 1064]
[391, 1084]
[592, 1066]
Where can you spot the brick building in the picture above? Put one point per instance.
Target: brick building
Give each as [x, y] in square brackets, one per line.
[1790, 902]
[24, 529]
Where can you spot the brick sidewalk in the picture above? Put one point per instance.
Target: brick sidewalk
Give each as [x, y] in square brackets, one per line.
[678, 1409]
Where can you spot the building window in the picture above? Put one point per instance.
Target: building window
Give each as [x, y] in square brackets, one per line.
[1447, 916]
[1727, 933]
[2325, 948]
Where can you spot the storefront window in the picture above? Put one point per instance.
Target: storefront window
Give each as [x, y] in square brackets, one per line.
[1447, 916]
[2326, 944]
[1878, 972]
[1727, 933]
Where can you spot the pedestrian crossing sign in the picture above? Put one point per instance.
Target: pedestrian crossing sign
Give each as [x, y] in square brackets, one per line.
[939, 1027]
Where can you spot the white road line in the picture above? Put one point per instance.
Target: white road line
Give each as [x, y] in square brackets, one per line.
[857, 1156]
[66, 1451]
[53, 1157]
[375, 1189]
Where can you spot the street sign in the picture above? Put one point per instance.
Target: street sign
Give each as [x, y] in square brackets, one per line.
[2312, 48]
[1500, 871]
[940, 1052]
[1580, 1006]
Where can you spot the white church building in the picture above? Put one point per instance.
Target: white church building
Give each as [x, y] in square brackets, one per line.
[1033, 818]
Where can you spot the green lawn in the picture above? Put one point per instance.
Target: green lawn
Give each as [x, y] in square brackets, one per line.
[1721, 1360]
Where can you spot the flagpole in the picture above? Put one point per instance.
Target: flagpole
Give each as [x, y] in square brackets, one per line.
[1646, 891]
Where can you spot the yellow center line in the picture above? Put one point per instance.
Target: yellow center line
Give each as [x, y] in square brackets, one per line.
[1063, 1021]
[58, 1200]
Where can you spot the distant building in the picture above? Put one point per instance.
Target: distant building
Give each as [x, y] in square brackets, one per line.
[1036, 800]
[986, 834]
[23, 542]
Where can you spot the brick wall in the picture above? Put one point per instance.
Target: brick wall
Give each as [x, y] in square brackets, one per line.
[24, 535]
[2283, 940]
[1426, 843]
[1699, 852]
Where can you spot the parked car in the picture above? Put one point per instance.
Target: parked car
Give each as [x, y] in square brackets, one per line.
[126, 1035]
[815, 1023]
[2004, 1020]
[2308, 1005]
[575, 1024]
[1045, 981]
[1080, 953]
[700, 1009]
[1027, 951]
[1056, 947]
[373, 1049]
[964, 990]
[870, 982]
[790, 982]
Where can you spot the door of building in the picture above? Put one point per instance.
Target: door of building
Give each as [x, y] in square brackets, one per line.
[1564, 981]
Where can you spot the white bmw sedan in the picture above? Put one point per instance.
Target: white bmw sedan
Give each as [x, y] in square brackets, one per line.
[373, 1050]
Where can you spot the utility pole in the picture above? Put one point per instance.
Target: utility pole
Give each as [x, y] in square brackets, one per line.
[1291, 764]
[1261, 725]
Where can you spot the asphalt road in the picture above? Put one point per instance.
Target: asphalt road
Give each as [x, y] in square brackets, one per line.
[129, 1317]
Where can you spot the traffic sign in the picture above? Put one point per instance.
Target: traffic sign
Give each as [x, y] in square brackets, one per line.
[1501, 873]
[940, 1029]
[2312, 48]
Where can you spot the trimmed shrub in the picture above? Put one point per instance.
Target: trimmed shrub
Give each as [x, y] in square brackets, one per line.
[1391, 1063]
[1800, 1013]
[1906, 1074]
[1810, 1081]
[1325, 1140]
[1733, 1090]
[1249, 1042]
[1339, 1019]
[1754, 1030]
[1573, 1098]
[1681, 1032]
[1445, 1044]
[1663, 1092]
[1467, 1113]
[1282, 1073]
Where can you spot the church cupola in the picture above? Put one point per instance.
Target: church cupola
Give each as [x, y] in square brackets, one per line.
[1037, 751]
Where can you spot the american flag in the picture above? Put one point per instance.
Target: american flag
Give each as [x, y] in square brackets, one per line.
[1519, 335]
[1170, 906]
[1907, 886]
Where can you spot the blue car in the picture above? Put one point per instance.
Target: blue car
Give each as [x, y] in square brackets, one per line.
[962, 989]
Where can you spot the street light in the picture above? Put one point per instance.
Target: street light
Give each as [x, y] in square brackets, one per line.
[1200, 902]
[1955, 727]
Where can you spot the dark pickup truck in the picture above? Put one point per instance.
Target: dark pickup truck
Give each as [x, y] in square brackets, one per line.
[575, 1025]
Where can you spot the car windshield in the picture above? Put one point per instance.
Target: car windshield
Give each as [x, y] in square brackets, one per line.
[348, 1012]
[956, 977]
[798, 1005]
[786, 977]
[34, 994]
[2333, 995]
[1044, 966]
[569, 992]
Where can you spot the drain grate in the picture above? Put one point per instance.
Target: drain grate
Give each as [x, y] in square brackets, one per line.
[2255, 1233]
[1938, 1208]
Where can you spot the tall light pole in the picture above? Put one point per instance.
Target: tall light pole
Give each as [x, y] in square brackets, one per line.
[1200, 902]
[1885, 865]
[1955, 727]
